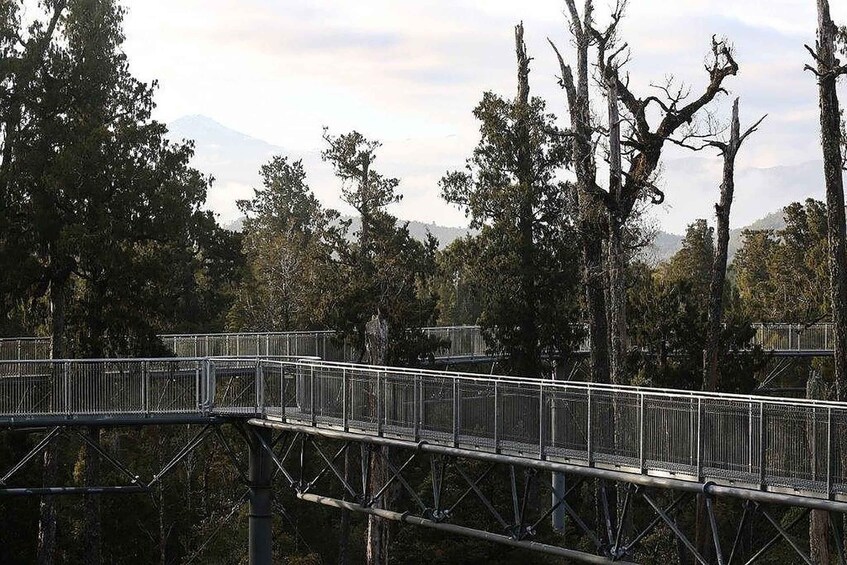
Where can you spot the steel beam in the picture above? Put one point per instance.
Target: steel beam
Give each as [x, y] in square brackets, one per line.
[708, 488]
[461, 530]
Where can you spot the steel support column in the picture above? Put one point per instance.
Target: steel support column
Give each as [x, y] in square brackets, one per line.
[261, 521]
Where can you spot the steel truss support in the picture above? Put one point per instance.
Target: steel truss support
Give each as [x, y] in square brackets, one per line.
[507, 503]
[135, 483]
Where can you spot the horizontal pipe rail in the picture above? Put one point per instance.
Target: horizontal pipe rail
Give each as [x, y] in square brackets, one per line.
[571, 554]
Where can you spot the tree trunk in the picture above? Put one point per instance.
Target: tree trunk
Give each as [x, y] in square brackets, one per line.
[529, 361]
[830, 117]
[718, 274]
[91, 504]
[819, 538]
[711, 352]
[832, 163]
[46, 547]
[376, 546]
[344, 534]
[618, 335]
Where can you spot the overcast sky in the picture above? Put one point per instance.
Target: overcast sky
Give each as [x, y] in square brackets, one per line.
[410, 73]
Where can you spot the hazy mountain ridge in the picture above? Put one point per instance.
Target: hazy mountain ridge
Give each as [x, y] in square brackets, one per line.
[234, 159]
[418, 230]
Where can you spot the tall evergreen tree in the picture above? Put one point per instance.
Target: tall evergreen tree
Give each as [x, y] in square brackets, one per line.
[287, 234]
[525, 266]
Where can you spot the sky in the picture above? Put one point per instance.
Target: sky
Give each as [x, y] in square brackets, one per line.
[410, 73]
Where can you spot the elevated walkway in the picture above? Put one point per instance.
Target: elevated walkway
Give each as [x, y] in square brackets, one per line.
[761, 448]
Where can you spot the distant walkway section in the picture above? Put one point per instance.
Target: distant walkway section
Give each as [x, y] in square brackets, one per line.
[460, 344]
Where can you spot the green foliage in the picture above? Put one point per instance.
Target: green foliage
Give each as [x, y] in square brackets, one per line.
[520, 272]
[106, 209]
[287, 237]
[382, 268]
[783, 275]
[667, 318]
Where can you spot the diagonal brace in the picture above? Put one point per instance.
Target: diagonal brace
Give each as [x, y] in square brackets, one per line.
[674, 528]
[44, 442]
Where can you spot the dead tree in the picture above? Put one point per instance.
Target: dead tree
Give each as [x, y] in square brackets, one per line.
[728, 150]
[591, 212]
[606, 212]
[828, 69]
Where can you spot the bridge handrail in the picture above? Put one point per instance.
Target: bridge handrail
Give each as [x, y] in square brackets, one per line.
[726, 438]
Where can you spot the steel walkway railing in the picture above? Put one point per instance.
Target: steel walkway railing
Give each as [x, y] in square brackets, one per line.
[460, 343]
[759, 443]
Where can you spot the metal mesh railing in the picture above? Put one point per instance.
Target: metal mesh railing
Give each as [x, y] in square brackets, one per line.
[118, 387]
[729, 439]
[459, 342]
[735, 440]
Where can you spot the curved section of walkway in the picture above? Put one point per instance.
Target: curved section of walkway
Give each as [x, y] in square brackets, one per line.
[755, 444]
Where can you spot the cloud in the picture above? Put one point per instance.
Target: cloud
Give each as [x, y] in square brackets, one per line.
[409, 73]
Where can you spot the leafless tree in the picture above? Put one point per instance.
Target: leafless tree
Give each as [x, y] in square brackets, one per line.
[828, 69]
[728, 149]
[605, 212]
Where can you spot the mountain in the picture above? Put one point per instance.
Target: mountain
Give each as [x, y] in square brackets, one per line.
[234, 158]
[666, 244]
[418, 230]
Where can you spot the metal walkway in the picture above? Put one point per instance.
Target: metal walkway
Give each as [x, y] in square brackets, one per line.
[460, 344]
[753, 447]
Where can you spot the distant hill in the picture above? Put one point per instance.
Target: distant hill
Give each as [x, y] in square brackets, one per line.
[418, 230]
[666, 244]
[234, 159]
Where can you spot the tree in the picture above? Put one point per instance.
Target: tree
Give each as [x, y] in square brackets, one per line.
[510, 192]
[100, 207]
[379, 278]
[782, 275]
[286, 233]
[728, 150]
[633, 158]
[828, 70]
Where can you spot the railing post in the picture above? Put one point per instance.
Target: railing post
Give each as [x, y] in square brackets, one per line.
[260, 401]
[699, 439]
[589, 443]
[641, 462]
[67, 386]
[203, 367]
[416, 399]
[541, 421]
[345, 415]
[762, 446]
[282, 391]
[496, 416]
[750, 438]
[145, 389]
[829, 458]
[378, 405]
[312, 395]
[455, 412]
